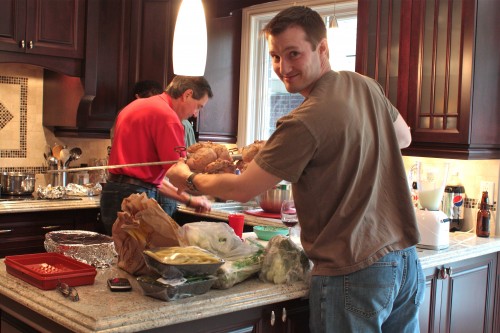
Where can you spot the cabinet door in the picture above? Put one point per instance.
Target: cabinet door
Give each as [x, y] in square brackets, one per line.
[429, 313]
[382, 46]
[44, 27]
[12, 25]
[441, 70]
[469, 296]
[218, 121]
[460, 297]
[285, 317]
[55, 28]
[22, 233]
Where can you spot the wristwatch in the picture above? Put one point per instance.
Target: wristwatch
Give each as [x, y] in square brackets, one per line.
[189, 182]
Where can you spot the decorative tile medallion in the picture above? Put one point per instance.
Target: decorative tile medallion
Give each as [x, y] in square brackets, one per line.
[8, 116]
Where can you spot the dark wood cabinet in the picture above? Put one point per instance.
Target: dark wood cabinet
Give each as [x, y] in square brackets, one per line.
[382, 46]
[438, 63]
[22, 233]
[102, 90]
[460, 297]
[152, 28]
[285, 317]
[289, 317]
[218, 121]
[126, 41]
[44, 33]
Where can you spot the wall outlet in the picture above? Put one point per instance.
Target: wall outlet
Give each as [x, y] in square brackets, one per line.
[490, 187]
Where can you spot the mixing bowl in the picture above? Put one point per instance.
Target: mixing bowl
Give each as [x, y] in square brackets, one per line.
[270, 200]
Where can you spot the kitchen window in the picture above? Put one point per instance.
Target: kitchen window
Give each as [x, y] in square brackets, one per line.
[263, 97]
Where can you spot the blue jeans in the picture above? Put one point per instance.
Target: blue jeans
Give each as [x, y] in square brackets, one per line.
[113, 194]
[384, 297]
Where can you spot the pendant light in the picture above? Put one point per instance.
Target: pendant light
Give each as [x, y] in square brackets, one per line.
[332, 24]
[189, 50]
[332, 20]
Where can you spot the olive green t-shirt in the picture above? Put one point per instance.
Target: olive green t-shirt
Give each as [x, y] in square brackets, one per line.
[340, 151]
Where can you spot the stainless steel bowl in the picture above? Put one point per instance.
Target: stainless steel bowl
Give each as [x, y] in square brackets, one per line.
[270, 201]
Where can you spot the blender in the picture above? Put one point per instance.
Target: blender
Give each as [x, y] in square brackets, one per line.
[433, 224]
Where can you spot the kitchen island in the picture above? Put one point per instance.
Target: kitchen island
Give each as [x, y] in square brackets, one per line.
[243, 306]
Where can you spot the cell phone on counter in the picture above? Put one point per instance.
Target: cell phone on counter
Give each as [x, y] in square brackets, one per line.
[119, 284]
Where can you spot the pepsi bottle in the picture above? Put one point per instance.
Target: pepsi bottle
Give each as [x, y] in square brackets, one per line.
[453, 206]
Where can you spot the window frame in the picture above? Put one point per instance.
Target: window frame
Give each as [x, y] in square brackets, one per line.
[251, 115]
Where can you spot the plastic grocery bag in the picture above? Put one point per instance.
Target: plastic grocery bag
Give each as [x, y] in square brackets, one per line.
[284, 262]
[218, 238]
[243, 259]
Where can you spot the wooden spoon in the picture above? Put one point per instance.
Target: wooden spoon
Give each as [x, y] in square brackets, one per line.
[56, 150]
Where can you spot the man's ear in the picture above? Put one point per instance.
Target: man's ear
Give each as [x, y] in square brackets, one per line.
[187, 93]
[323, 46]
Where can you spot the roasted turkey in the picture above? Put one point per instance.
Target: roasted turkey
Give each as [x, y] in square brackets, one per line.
[209, 157]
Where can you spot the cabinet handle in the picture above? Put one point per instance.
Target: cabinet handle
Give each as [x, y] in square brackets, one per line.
[5, 231]
[22, 44]
[31, 44]
[445, 273]
[51, 227]
[273, 318]
[283, 315]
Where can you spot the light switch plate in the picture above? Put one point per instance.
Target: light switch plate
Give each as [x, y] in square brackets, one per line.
[490, 187]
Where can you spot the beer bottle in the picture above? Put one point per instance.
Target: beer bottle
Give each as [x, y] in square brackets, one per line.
[483, 217]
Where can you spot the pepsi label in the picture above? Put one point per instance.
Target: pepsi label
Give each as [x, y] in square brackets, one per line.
[453, 206]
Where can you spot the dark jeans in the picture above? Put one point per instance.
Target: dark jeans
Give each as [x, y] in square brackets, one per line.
[113, 194]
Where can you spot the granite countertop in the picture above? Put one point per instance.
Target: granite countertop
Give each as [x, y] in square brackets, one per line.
[101, 310]
[27, 206]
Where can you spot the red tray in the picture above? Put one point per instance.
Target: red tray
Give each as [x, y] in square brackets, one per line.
[46, 270]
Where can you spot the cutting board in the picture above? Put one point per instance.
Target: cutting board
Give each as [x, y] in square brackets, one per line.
[261, 213]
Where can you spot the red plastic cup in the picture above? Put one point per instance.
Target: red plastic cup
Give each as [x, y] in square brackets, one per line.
[236, 221]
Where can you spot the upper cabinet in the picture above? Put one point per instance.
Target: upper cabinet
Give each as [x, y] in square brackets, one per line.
[438, 63]
[44, 33]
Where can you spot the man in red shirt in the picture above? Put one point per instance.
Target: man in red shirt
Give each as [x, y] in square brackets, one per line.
[150, 130]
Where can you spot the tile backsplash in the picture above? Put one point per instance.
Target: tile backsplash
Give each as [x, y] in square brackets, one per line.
[23, 138]
[470, 174]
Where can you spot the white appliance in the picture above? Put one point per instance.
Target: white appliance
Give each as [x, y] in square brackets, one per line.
[433, 224]
[434, 228]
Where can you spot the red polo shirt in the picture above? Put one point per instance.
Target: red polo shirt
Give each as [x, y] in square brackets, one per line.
[147, 130]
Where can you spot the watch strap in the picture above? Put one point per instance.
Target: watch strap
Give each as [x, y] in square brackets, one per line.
[190, 183]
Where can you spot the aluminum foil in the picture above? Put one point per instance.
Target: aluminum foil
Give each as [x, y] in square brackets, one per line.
[50, 192]
[83, 190]
[88, 247]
